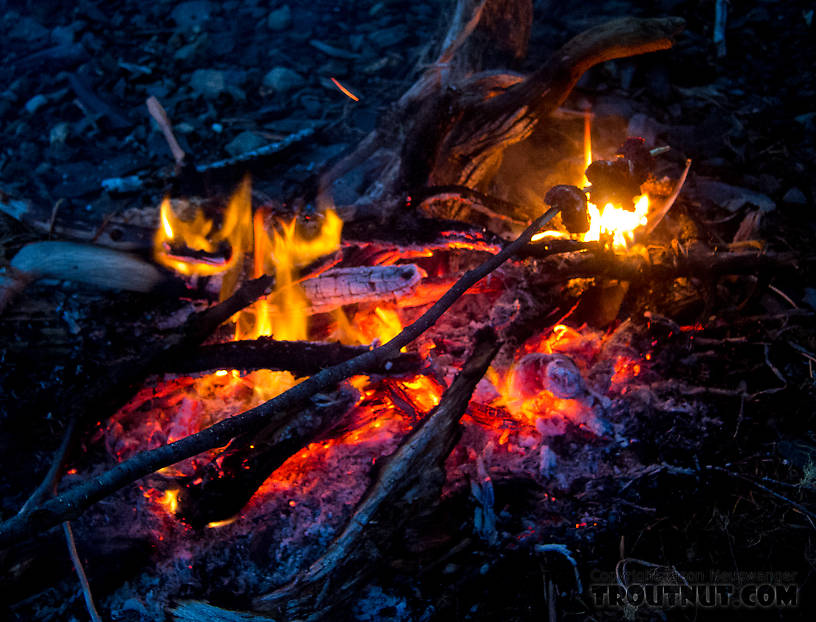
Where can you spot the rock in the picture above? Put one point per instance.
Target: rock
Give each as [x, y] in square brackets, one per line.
[28, 29]
[732, 198]
[244, 142]
[189, 52]
[646, 127]
[388, 37]
[210, 83]
[63, 35]
[280, 19]
[794, 196]
[35, 103]
[281, 80]
[189, 15]
[330, 50]
[59, 134]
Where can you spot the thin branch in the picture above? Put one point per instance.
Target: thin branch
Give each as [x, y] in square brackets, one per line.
[83, 578]
[49, 483]
[74, 501]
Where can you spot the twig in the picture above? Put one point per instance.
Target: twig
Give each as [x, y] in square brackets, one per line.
[158, 113]
[74, 501]
[83, 579]
[408, 479]
[49, 482]
[261, 152]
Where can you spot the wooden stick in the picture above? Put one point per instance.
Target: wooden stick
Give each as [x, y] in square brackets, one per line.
[74, 501]
[409, 479]
[302, 358]
[80, 570]
[219, 489]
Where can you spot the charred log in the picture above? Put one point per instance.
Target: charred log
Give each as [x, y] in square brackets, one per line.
[219, 490]
[302, 358]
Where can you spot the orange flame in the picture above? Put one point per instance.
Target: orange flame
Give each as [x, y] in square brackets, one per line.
[284, 312]
[200, 234]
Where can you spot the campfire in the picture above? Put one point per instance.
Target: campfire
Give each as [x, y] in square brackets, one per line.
[470, 362]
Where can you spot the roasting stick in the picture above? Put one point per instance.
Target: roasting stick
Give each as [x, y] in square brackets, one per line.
[75, 500]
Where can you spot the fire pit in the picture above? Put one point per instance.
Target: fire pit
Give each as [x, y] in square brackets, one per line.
[505, 348]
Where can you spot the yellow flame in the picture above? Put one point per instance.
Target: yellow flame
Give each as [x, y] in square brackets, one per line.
[283, 313]
[612, 221]
[200, 234]
[549, 233]
[616, 222]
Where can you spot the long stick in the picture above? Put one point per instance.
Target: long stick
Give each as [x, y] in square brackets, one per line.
[74, 501]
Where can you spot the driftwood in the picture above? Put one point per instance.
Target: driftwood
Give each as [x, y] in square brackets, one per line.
[83, 263]
[452, 126]
[407, 481]
[301, 358]
[221, 488]
[74, 501]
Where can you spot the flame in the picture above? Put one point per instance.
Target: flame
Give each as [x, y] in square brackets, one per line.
[380, 324]
[222, 523]
[612, 221]
[616, 222]
[587, 143]
[200, 234]
[283, 313]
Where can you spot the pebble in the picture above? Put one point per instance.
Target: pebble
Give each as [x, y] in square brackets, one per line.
[63, 35]
[280, 19]
[245, 141]
[188, 15]
[210, 83]
[59, 134]
[794, 196]
[388, 37]
[35, 103]
[281, 80]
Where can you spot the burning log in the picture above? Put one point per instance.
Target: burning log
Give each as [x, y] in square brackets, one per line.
[407, 481]
[219, 490]
[664, 266]
[343, 286]
[302, 358]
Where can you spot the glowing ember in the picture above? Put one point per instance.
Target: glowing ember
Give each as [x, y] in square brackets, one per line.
[345, 91]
